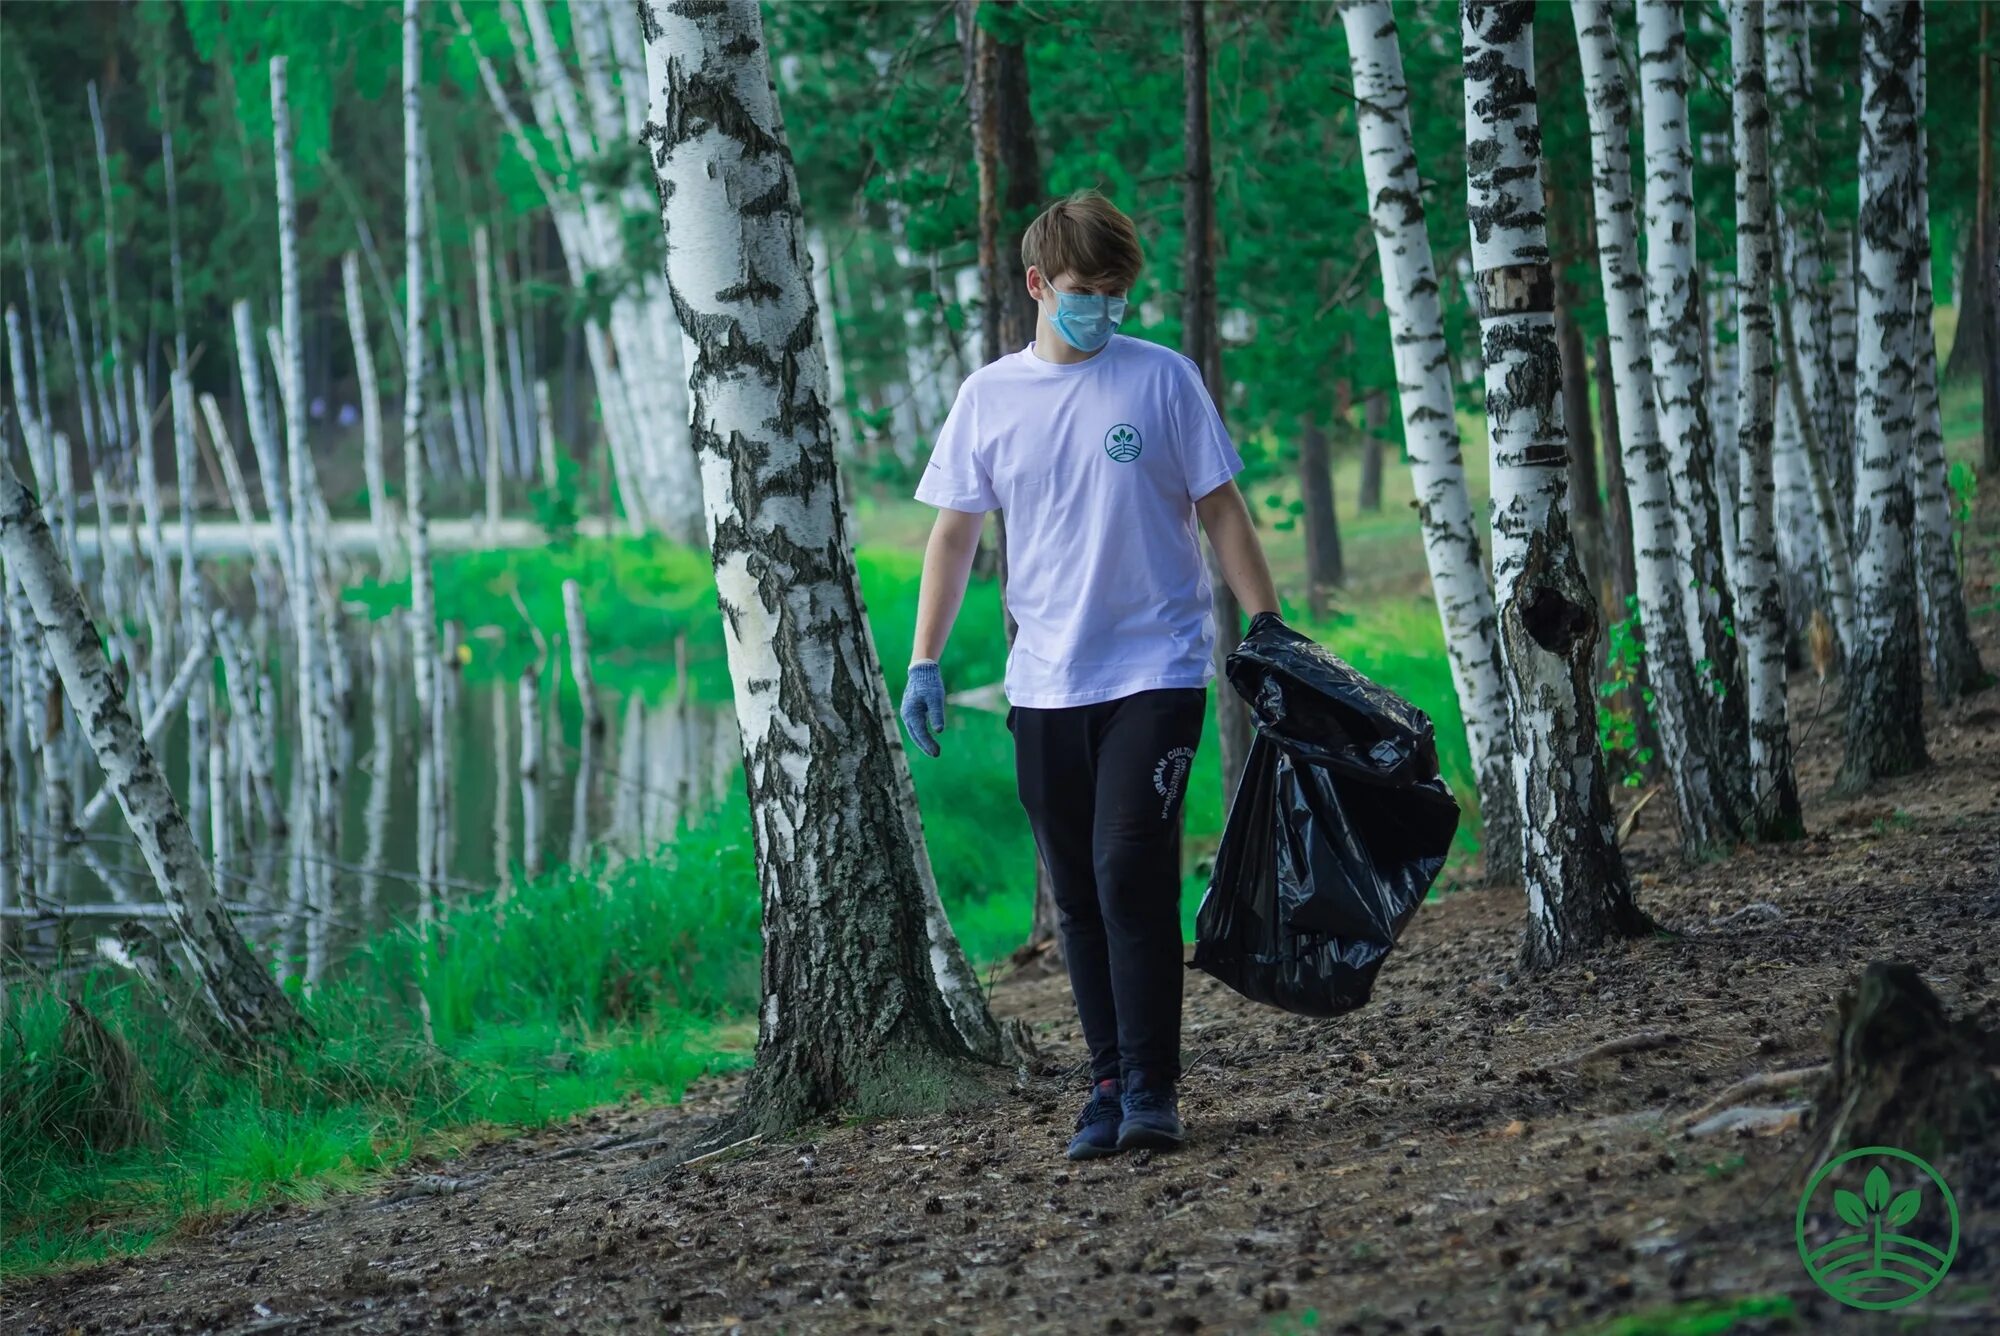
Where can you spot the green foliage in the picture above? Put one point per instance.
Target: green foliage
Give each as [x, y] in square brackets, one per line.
[1622, 696]
[1707, 1317]
[579, 990]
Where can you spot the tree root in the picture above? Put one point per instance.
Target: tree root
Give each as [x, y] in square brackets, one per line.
[1906, 1074]
[1753, 1087]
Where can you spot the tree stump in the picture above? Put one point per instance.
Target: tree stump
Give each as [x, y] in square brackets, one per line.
[1906, 1074]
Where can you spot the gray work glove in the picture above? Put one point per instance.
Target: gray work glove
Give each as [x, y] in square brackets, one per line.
[923, 705]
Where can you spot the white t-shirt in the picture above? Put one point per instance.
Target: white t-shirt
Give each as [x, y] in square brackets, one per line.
[1097, 465]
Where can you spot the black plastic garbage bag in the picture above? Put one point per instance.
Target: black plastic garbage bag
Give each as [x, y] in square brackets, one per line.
[1339, 825]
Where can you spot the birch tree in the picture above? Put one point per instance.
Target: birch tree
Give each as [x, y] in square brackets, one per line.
[1578, 894]
[1430, 421]
[371, 415]
[1955, 667]
[1761, 626]
[863, 982]
[240, 1002]
[1804, 267]
[1682, 704]
[423, 601]
[1674, 314]
[1885, 730]
[318, 834]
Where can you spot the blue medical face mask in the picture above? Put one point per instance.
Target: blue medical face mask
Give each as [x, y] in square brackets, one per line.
[1086, 320]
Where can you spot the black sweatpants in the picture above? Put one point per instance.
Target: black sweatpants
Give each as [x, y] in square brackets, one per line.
[1103, 785]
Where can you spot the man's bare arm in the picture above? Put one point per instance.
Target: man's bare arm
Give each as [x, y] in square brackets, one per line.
[1226, 520]
[947, 565]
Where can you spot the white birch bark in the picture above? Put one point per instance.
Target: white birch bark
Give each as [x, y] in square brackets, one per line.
[239, 493]
[218, 790]
[318, 836]
[251, 704]
[1884, 732]
[240, 1002]
[1829, 518]
[643, 323]
[371, 415]
[521, 406]
[564, 194]
[577, 630]
[423, 603]
[146, 465]
[1804, 267]
[858, 980]
[1430, 422]
[1578, 895]
[194, 621]
[545, 434]
[263, 442]
[1955, 666]
[1761, 621]
[464, 429]
[1682, 706]
[381, 768]
[117, 365]
[489, 365]
[1675, 326]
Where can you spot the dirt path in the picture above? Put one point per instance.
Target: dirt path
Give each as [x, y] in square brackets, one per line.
[1442, 1161]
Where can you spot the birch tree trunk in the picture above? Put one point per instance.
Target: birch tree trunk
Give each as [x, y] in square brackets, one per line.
[241, 1004]
[489, 365]
[1830, 525]
[319, 834]
[423, 602]
[1885, 731]
[864, 985]
[1430, 423]
[1761, 626]
[194, 621]
[1804, 267]
[1578, 895]
[1955, 667]
[1675, 327]
[371, 415]
[1682, 705]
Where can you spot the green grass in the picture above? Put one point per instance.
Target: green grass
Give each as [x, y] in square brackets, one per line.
[581, 990]
[1703, 1317]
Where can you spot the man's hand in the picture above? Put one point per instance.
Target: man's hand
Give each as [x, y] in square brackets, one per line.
[923, 705]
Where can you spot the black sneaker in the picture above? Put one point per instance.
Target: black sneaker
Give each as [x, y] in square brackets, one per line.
[1097, 1126]
[1152, 1117]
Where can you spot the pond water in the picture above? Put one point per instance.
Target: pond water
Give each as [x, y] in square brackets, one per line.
[665, 757]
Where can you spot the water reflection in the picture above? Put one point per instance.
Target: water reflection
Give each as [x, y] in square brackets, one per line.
[527, 788]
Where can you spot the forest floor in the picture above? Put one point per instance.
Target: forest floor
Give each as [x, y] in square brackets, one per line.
[1452, 1158]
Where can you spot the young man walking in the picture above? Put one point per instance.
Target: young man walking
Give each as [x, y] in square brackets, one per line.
[1109, 461]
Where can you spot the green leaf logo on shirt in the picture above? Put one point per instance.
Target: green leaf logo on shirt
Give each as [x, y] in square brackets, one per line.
[1122, 443]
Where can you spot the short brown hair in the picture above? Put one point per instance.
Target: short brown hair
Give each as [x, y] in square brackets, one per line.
[1088, 238]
